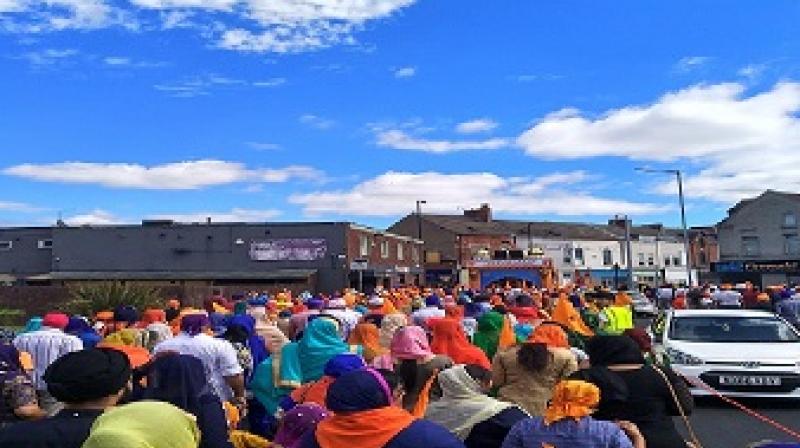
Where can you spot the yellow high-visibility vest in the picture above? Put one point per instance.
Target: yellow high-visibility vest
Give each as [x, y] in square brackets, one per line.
[620, 318]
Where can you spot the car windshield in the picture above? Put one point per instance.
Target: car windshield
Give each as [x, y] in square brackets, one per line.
[731, 329]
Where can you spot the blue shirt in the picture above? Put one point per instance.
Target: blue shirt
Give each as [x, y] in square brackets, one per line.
[584, 433]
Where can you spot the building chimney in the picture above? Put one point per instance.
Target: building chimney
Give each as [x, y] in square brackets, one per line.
[617, 221]
[483, 214]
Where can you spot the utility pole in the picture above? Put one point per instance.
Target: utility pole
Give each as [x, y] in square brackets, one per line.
[679, 178]
[419, 218]
[629, 250]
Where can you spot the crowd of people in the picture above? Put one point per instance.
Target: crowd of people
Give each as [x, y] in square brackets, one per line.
[400, 368]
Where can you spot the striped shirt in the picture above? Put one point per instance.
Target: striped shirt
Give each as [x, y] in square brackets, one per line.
[45, 346]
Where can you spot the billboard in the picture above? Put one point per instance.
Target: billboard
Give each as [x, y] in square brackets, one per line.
[289, 249]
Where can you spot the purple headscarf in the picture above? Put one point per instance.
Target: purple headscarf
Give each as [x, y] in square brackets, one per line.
[298, 422]
[315, 304]
[433, 300]
[192, 324]
[10, 366]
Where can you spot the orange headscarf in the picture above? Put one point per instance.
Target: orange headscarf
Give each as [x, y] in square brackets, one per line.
[313, 392]
[454, 311]
[367, 429]
[507, 336]
[551, 335]
[366, 334]
[566, 315]
[572, 399]
[449, 339]
[137, 356]
[153, 315]
[622, 299]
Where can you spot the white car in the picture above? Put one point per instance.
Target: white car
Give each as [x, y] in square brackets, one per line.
[642, 306]
[739, 353]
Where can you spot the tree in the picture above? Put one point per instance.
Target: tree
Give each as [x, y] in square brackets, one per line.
[88, 299]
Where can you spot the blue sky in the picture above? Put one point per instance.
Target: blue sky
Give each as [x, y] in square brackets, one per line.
[114, 111]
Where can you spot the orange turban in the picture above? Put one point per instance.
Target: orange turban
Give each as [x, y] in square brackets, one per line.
[572, 399]
[551, 335]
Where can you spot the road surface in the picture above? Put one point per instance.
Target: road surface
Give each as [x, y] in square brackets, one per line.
[719, 425]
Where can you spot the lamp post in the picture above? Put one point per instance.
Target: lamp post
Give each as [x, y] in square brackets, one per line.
[419, 232]
[679, 178]
[419, 218]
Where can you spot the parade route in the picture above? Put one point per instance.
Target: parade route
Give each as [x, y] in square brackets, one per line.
[718, 424]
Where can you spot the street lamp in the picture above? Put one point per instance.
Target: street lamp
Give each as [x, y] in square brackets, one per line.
[419, 231]
[679, 177]
[419, 218]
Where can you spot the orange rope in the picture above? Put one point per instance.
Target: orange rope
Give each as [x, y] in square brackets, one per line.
[743, 408]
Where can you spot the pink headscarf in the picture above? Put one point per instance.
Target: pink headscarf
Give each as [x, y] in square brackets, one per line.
[411, 343]
[55, 320]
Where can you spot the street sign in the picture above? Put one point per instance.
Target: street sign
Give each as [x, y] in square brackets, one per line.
[359, 265]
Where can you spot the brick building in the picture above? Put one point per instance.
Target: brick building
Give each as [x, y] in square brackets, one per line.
[200, 258]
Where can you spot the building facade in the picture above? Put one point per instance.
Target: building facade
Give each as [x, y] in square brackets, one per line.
[759, 241]
[590, 254]
[213, 256]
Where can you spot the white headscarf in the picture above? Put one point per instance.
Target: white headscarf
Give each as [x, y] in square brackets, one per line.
[463, 405]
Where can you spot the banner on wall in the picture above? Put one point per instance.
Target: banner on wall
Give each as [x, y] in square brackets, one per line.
[289, 249]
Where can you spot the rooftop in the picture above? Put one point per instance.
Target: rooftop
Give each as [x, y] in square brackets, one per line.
[467, 225]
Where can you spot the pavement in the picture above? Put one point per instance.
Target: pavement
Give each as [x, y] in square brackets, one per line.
[719, 425]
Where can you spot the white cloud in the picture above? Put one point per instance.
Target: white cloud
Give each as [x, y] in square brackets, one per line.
[49, 57]
[690, 63]
[398, 139]
[199, 85]
[116, 60]
[36, 16]
[316, 121]
[476, 126]
[273, 82]
[96, 217]
[405, 72]
[10, 206]
[263, 146]
[394, 193]
[742, 144]
[280, 26]
[531, 77]
[171, 176]
[752, 71]
[100, 217]
[234, 215]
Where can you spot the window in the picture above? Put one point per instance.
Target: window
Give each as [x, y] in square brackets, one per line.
[384, 249]
[6, 245]
[363, 243]
[650, 260]
[641, 259]
[789, 219]
[415, 254]
[45, 244]
[400, 254]
[608, 257]
[702, 258]
[750, 245]
[791, 245]
[567, 255]
[579, 255]
[667, 261]
[676, 261]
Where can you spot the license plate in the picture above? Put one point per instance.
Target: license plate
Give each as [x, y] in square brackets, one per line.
[738, 380]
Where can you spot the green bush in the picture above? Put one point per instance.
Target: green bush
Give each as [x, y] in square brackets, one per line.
[10, 317]
[88, 299]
